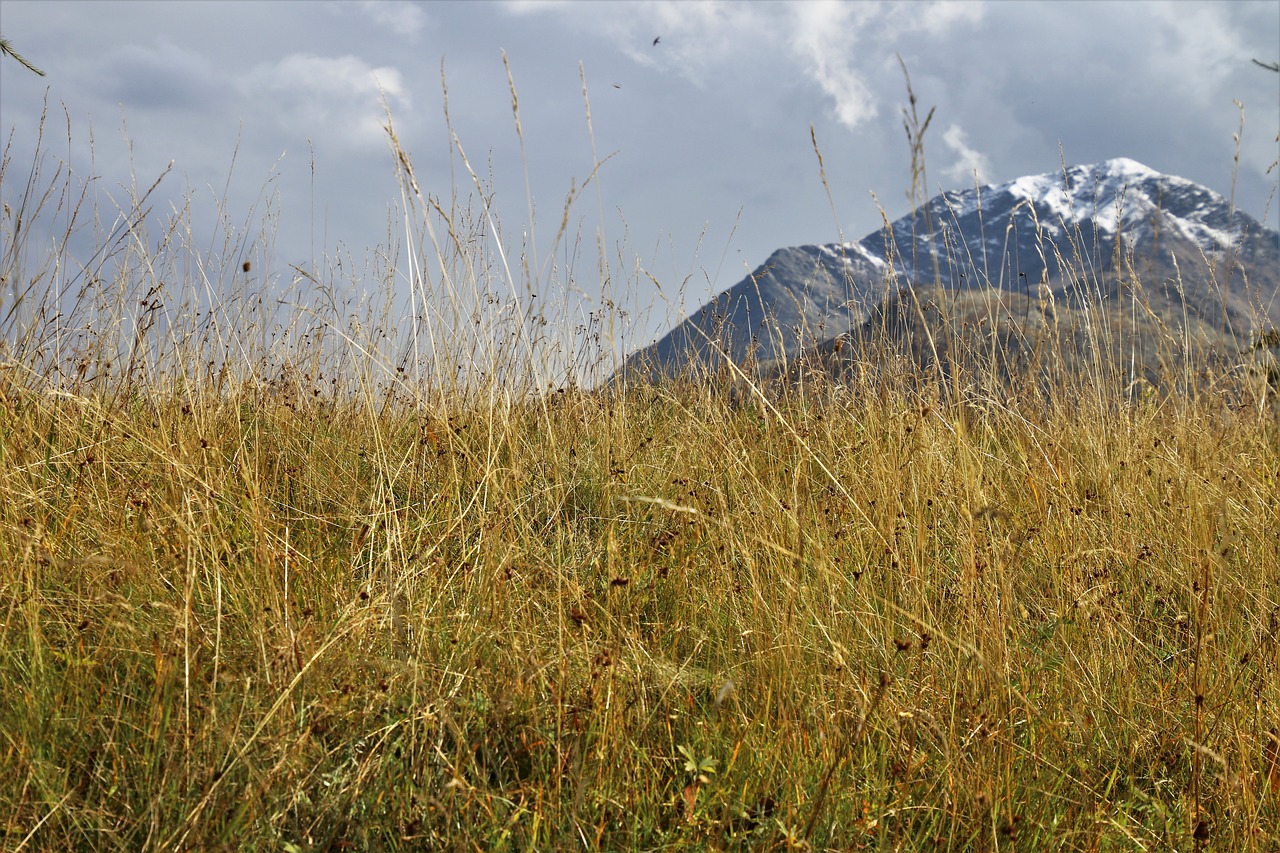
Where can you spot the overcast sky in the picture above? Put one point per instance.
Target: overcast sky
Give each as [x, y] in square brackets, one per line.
[712, 163]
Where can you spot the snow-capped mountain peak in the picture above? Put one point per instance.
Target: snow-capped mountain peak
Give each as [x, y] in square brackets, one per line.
[1062, 227]
[1088, 204]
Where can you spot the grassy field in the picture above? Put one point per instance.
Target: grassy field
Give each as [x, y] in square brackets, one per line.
[284, 581]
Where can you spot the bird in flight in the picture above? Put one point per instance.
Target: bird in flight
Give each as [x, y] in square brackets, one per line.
[656, 40]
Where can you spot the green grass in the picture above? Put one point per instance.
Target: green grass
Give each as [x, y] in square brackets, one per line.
[278, 581]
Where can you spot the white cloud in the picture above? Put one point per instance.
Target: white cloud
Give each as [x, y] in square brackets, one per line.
[527, 7]
[338, 99]
[968, 161]
[823, 39]
[936, 18]
[404, 19]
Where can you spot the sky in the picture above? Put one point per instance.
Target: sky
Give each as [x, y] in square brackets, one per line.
[703, 116]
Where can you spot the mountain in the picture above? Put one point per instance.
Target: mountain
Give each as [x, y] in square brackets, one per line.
[1115, 237]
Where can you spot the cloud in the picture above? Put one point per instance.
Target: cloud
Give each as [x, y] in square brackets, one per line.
[937, 18]
[1186, 37]
[968, 161]
[823, 37]
[525, 7]
[404, 19]
[338, 99]
[838, 44]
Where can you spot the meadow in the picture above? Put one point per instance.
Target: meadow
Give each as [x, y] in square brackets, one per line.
[283, 569]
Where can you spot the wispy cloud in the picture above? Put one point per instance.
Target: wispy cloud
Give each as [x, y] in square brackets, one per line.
[969, 162]
[406, 20]
[524, 7]
[822, 39]
[838, 45]
[835, 46]
[938, 17]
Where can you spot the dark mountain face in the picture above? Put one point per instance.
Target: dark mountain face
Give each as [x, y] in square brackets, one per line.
[1115, 236]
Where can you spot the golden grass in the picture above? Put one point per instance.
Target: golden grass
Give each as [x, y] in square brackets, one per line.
[250, 621]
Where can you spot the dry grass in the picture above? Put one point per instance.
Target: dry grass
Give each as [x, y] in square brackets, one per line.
[291, 579]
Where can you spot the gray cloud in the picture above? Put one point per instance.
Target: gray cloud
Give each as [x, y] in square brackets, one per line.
[159, 77]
